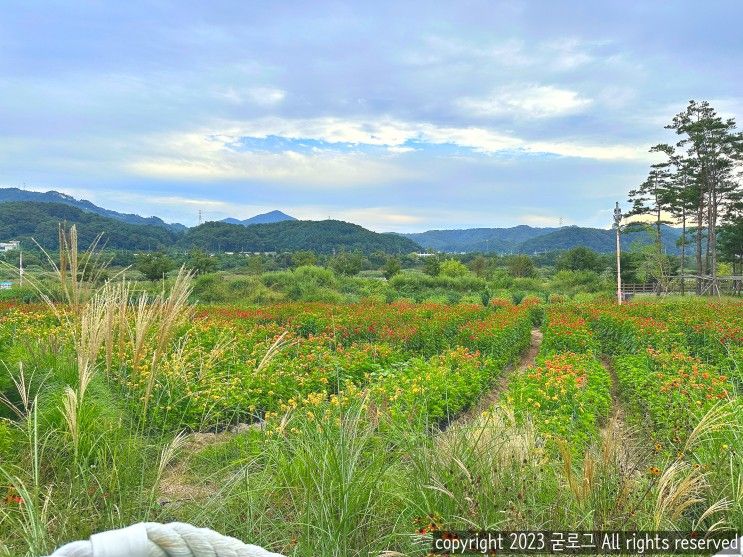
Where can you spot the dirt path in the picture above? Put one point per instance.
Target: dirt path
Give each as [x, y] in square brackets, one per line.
[177, 485]
[616, 433]
[491, 397]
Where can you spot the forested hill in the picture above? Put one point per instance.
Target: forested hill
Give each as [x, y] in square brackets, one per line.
[15, 194]
[324, 236]
[527, 239]
[598, 239]
[39, 220]
[499, 240]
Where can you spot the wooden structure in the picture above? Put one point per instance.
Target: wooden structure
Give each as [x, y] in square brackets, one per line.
[731, 285]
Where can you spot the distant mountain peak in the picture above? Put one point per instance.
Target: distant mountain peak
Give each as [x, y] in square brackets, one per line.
[263, 218]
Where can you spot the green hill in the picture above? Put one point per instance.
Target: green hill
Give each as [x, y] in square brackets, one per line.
[320, 236]
[499, 240]
[527, 239]
[598, 239]
[39, 220]
[15, 194]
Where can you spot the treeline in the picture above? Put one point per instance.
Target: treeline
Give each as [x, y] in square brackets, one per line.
[323, 237]
[40, 221]
[699, 184]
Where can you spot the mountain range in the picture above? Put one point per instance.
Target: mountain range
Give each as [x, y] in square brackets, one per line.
[532, 240]
[34, 221]
[26, 214]
[15, 194]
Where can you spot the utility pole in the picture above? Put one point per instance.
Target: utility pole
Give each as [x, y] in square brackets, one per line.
[20, 268]
[617, 222]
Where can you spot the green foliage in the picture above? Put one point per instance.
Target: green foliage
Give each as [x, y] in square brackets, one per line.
[579, 259]
[154, 266]
[348, 264]
[479, 266]
[521, 266]
[567, 394]
[40, 221]
[672, 390]
[432, 265]
[303, 258]
[23, 294]
[200, 262]
[453, 268]
[572, 282]
[391, 267]
[485, 297]
[323, 237]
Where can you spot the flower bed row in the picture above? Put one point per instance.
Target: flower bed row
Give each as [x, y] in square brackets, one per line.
[566, 395]
[217, 374]
[568, 392]
[669, 392]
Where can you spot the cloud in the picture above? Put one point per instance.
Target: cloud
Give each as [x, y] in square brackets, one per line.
[195, 157]
[539, 220]
[532, 101]
[340, 159]
[259, 96]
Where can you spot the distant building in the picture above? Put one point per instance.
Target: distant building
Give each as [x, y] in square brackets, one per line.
[10, 246]
[6, 285]
[425, 254]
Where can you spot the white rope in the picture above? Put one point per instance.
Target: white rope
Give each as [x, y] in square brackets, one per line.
[150, 539]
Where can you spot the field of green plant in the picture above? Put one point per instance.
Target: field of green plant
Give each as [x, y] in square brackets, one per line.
[358, 429]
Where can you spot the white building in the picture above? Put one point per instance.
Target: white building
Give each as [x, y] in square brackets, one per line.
[10, 246]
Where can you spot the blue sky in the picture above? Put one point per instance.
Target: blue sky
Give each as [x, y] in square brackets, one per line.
[395, 115]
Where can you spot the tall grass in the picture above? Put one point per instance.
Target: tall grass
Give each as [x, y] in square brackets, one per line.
[83, 459]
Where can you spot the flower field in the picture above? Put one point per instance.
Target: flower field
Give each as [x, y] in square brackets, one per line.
[357, 419]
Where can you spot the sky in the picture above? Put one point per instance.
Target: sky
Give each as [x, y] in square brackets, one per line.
[399, 116]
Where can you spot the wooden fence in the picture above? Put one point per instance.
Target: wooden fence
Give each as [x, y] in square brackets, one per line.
[730, 285]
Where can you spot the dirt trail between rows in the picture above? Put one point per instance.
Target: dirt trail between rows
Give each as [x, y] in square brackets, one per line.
[616, 428]
[491, 397]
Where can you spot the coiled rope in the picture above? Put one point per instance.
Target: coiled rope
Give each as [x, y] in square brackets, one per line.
[150, 539]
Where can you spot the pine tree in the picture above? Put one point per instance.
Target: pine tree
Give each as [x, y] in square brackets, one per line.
[714, 149]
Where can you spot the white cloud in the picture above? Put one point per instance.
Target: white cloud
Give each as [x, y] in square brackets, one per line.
[217, 153]
[261, 96]
[215, 157]
[539, 220]
[395, 133]
[532, 101]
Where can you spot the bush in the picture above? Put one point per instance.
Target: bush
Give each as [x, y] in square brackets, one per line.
[453, 268]
[23, 294]
[211, 289]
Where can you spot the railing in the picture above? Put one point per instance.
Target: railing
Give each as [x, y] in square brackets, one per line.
[731, 285]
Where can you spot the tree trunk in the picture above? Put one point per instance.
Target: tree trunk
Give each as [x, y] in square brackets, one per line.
[683, 249]
[698, 241]
[712, 225]
[658, 245]
[701, 206]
